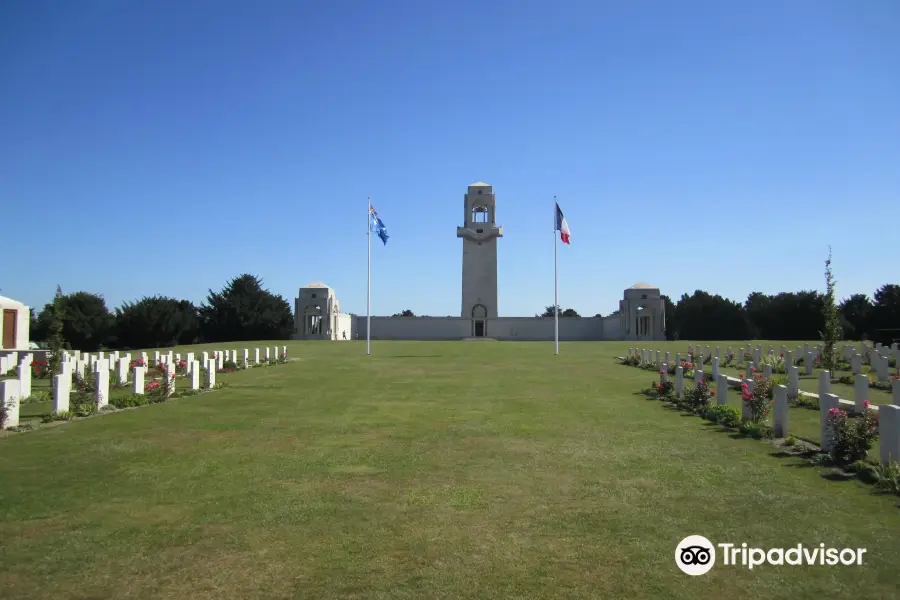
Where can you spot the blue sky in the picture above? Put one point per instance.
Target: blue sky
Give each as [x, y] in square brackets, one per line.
[165, 147]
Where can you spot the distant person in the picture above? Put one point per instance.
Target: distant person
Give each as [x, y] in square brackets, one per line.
[344, 334]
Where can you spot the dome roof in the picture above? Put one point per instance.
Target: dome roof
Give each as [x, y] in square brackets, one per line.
[480, 184]
[643, 285]
[315, 284]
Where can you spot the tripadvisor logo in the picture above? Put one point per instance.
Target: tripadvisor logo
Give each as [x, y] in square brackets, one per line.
[696, 555]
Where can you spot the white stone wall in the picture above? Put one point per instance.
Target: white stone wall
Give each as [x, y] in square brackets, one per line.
[415, 328]
[503, 328]
[344, 330]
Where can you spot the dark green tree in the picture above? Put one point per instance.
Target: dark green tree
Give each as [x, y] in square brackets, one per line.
[244, 311]
[702, 316]
[856, 313]
[55, 325]
[886, 314]
[549, 312]
[405, 313]
[86, 321]
[156, 322]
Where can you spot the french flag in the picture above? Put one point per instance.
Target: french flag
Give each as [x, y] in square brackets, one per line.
[562, 226]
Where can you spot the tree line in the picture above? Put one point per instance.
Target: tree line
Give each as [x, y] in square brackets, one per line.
[785, 316]
[242, 311]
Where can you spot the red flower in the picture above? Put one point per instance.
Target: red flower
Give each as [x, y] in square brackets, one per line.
[712, 392]
[782, 355]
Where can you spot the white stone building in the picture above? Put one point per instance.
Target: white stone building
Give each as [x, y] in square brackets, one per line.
[15, 324]
[641, 316]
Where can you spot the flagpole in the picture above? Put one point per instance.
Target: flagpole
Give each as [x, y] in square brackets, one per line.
[369, 276]
[555, 282]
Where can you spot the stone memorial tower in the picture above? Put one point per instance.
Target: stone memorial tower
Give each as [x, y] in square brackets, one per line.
[479, 265]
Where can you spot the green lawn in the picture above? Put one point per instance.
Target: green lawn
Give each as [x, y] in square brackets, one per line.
[427, 470]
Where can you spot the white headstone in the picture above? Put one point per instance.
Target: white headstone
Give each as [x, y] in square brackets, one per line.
[256, 356]
[195, 375]
[824, 383]
[275, 354]
[267, 355]
[9, 395]
[722, 390]
[170, 374]
[62, 387]
[284, 352]
[889, 430]
[246, 357]
[24, 372]
[780, 412]
[698, 375]
[101, 380]
[211, 374]
[715, 366]
[220, 359]
[679, 381]
[883, 370]
[860, 392]
[123, 371]
[767, 371]
[808, 363]
[793, 380]
[137, 380]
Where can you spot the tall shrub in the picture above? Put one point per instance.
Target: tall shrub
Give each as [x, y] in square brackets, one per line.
[832, 332]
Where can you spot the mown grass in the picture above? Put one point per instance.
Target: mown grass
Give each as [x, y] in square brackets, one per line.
[427, 470]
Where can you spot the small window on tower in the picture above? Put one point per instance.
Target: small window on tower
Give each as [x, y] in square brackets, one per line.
[313, 295]
[643, 296]
[479, 214]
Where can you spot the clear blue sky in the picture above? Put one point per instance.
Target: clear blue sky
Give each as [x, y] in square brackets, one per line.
[164, 147]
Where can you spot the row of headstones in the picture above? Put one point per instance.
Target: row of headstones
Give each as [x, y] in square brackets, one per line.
[878, 356]
[888, 414]
[14, 390]
[860, 383]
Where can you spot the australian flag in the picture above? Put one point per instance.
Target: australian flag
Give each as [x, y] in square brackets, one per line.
[377, 225]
